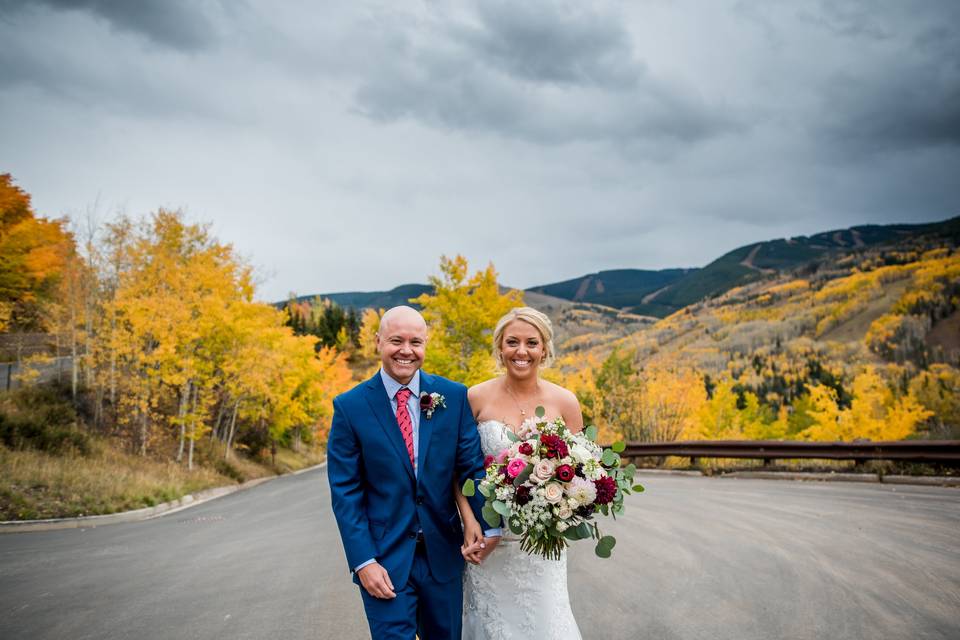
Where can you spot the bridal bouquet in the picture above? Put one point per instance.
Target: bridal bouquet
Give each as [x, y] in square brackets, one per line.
[550, 483]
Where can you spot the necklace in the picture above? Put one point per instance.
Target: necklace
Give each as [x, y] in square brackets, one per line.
[523, 412]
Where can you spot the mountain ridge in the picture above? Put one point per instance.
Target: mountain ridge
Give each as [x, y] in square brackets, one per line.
[661, 292]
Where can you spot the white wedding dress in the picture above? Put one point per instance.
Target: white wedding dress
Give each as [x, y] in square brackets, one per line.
[514, 595]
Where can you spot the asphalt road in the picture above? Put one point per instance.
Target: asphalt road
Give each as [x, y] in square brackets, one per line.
[697, 558]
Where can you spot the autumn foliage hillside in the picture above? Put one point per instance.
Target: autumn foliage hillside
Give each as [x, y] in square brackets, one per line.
[862, 347]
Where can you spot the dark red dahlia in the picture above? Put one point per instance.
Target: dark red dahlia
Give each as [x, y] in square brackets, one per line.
[525, 448]
[426, 401]
[584, 510]
[565, 473]
[606, 489]
[522, 496]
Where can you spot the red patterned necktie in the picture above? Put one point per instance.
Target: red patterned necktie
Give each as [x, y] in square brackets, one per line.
[403, 419]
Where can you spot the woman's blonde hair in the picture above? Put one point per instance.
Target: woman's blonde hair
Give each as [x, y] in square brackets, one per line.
[531, 316]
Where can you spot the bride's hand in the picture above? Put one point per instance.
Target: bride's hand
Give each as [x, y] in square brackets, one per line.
[472, 541]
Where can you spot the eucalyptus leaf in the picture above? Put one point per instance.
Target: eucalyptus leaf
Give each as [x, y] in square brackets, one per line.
[605, 545]
[619, 446]
[638, 488]
[583, 531]
[490, 516]
[512, 436]
[515, 526]
[629, 470]
[486, 491]
[609, 457]
[501, 507]
[591, 433]
[540, 411]
[469, 488]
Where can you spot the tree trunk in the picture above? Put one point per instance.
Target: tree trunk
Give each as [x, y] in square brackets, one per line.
[193, 427]
[233, 425]
[215, 432]
[181, 415]
[144, 416]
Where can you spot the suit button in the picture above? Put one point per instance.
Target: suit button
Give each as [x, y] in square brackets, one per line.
[419, 499]
[412, 536]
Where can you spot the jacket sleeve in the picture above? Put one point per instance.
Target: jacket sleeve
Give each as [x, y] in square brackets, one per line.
[470, 458]
[344, 471]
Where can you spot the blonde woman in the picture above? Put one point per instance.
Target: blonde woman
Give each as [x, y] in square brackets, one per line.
[507, 592]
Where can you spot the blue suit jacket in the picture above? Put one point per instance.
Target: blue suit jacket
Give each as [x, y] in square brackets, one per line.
[379, 503]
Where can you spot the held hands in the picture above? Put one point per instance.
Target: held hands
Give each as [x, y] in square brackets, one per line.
[376, 581]
[478, 551]
[472, 539]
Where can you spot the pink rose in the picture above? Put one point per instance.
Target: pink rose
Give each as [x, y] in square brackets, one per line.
[516, 467]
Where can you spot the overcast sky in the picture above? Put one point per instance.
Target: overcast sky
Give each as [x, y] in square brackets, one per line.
[346, 146]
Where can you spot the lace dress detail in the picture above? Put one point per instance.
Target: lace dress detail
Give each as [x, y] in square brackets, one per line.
[514, 595]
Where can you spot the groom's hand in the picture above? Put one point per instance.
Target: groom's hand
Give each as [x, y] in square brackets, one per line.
[376, 581]
[477, 552]
[489, 544]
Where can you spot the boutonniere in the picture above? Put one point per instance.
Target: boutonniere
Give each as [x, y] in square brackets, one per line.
[430, 401]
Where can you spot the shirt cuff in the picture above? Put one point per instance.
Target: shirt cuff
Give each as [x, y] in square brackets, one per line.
[493, 533]
[362, 565]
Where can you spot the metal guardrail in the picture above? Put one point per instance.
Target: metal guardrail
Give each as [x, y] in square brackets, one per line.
[929, 451]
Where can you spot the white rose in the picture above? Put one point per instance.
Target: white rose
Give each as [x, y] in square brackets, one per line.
[543, 471]
[565, 512]
[562, 526]
[580, 453]
[572, 503]
[553, 493]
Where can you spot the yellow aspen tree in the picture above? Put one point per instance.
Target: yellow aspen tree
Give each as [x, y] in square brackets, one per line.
[461, 315]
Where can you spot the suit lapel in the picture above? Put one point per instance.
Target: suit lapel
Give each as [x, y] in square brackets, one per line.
[380, 404]
[426, 426]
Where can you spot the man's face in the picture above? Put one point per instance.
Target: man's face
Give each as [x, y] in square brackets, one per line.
[402, 343]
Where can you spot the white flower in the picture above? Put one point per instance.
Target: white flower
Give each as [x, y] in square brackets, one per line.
[542, 471]
[580, 453]
[572, 502]
[582, 491]
[527, 429]
[553, 492]
[564, 513]
[562, 526]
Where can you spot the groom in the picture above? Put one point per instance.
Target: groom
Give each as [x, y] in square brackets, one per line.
[397, 444]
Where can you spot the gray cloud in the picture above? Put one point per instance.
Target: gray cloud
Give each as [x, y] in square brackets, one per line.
[180, 24]
[538, 71]
[544, 43]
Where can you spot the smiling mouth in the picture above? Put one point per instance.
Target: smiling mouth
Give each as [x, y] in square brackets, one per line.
[403, 362]
[521, 363]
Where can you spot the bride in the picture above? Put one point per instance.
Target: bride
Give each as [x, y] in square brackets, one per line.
[513, 594]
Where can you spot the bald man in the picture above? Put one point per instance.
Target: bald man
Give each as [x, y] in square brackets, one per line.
[398, 443]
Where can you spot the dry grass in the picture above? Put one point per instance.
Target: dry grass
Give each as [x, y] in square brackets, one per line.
[35, 485]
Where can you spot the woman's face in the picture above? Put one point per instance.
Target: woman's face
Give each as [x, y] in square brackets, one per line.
[522, 349]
